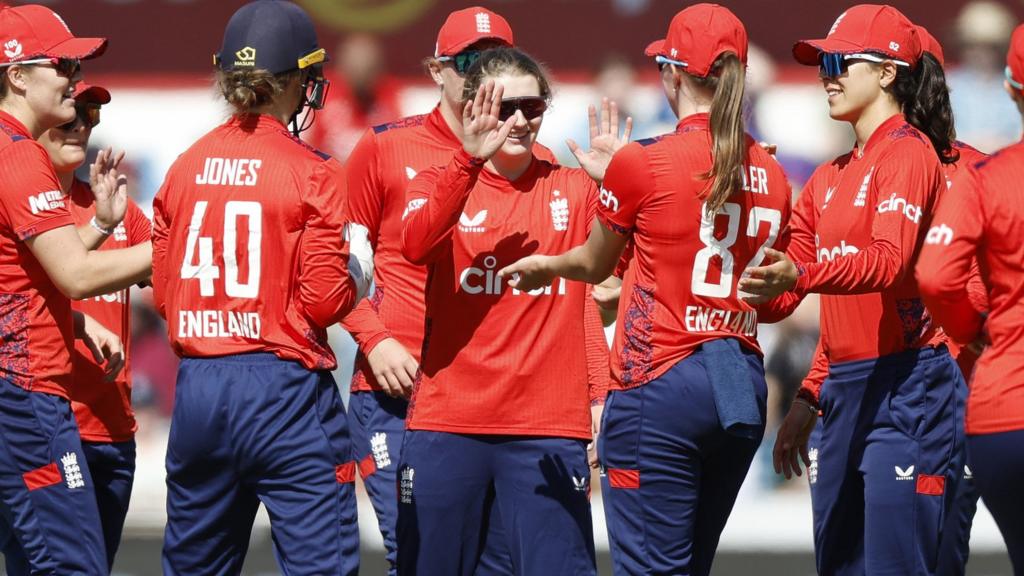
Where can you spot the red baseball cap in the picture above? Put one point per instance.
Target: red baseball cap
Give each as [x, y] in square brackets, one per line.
[698, 35]
[468, 26]
[34, 31]
[930, 44]
[1015, 59]
[91, 94]
[865, 28]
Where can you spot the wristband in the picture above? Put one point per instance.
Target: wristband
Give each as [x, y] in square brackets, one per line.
[96, 226]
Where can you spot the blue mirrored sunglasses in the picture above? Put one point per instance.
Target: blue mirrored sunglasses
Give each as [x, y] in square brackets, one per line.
[833, 64]
[461, 61]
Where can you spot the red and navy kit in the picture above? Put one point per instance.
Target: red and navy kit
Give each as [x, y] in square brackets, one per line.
[104, 409]
[857, 229]
[47, 497]
[492, 383]
[686, 412]
[249, 268]
[506, 385]
[223, 289]
[35, 317]
[665, 318]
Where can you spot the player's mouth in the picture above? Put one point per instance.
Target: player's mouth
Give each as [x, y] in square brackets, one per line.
[833, 92]
[519, 137]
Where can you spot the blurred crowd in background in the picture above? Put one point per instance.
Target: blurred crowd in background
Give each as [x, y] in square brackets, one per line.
[786, 107]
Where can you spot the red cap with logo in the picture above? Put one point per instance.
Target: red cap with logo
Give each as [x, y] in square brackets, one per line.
[87, 93]
[1015, 58]
[865, 28]
[34, 31]
[468, 26]
[930, 44]
[698, 35]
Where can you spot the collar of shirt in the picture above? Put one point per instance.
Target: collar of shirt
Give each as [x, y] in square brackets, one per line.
[13, 126]
[879, 134]
[440, 129]
[524, 183]
[699, 121]
[256, 122]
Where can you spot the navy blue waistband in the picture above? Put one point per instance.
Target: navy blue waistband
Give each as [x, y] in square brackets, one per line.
[888, 362]
[248, 358]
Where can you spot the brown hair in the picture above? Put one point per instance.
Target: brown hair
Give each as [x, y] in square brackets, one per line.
[728, 135]
[504, 60]
[248, 89]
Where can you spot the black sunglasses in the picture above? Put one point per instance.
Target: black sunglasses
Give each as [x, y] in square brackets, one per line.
[530, 106]
[462, 61]
[89, 114]
[66, 67]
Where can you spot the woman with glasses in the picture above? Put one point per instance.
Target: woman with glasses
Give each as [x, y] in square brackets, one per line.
[103, 409]
[249, 269]
[982, 217]
[499, 419]
[890, 454]
[687, 407]
[48, 515]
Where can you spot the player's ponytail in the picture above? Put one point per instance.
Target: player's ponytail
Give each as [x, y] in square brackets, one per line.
[728, 135]
[923, 97]
[246, 90]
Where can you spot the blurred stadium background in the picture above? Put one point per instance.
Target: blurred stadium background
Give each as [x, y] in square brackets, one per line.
[158, 68]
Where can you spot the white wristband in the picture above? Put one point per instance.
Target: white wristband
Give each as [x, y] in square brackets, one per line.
[96, 226]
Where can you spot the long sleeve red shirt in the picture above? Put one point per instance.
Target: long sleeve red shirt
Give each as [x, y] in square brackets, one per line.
[982, 217]
[248, 253]
[497, 360]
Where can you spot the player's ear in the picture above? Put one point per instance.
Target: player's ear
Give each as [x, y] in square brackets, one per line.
[886, 73]
[433, 67]
[15, 76]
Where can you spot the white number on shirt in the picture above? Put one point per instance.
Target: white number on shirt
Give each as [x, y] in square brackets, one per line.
[715, 247]
[205, 270]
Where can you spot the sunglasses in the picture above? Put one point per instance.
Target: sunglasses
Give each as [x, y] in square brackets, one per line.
[461, 61]
[530, 106]
[66, 67]
[662, 61]
[833, 65]
[89, 114]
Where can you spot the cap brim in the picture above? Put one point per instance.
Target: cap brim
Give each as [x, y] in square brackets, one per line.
[456, 48]
[655, 48]
[806, 51]
[92, 94]
[81, 48]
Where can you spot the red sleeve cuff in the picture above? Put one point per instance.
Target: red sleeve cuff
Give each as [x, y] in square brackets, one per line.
[44, 225]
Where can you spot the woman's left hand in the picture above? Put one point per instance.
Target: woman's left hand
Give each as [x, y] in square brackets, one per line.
[764, 283]
[109, 187]
[106, 347]
[528, 273]
[605, 140]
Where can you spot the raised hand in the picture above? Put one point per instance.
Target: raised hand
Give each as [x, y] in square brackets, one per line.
[605, 140]
[482, 132]
[109, 187]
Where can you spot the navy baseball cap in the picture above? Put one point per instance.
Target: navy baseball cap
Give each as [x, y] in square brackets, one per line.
[272, 35]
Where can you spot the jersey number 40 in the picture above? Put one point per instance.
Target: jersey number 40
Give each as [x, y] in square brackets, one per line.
[205, 270]
[715, 247]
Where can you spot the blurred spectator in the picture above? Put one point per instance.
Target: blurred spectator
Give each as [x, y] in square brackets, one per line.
[154, 364]
[985, 117]
[361, 95]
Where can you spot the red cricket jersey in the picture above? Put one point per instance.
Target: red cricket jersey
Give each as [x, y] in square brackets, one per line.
[982, 216]
[379, 170]
[975, 288]
[104, 409]
[497, 360]
[36, 327]
[856, 231]
[345, 116]
[247, 245]
[680, 289]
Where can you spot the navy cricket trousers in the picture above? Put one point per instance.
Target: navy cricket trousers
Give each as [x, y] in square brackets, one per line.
[671, 470]
[997, 461]
[888, 462]
[252, 428]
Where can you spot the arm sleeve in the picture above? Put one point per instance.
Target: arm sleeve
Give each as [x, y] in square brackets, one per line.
[944, 266]
[139, 228]
[909, 184]
[977, 292]
[627, 183]
[596, 346]
[435, 202]
[161, 226]
[810, 388]
[797, 240]
[30, 194]
[325, 291]
[366, 207]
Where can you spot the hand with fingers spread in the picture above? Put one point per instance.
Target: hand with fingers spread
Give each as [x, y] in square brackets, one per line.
[109, 187]
[393, 367]
[605, 140]
[791, 441]
[765, 282]
[528, 273]
[482, 132]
